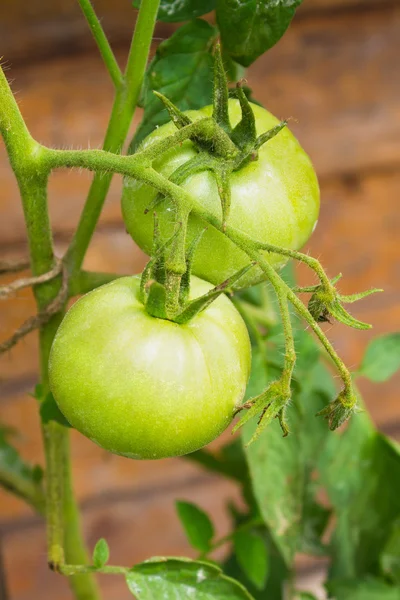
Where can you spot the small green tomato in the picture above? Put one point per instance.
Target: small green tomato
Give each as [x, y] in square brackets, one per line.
[145, 387]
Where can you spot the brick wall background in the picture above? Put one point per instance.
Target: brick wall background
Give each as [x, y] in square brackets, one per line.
[336, 72]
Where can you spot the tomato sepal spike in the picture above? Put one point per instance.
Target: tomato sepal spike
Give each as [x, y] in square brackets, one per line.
[341, 409]
[201, 303]
[244, 135]
[220, 92]
[185, 281]
[177, 116]
[271, 404]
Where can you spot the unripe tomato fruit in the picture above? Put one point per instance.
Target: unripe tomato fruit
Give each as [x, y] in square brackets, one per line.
[275, 199]
[145, 387]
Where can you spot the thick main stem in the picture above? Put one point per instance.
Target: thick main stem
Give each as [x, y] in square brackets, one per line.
[25, 158]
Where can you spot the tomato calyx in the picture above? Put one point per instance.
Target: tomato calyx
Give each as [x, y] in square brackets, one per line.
[221, 148]
[326, 303]
[155, 290]
[271, 403]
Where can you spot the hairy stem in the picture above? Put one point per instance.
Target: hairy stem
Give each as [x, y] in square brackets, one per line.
[123, 109]
[25, 158]
[102, 43]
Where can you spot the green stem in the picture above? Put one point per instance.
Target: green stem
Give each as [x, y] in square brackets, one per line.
[102, 43]
[83, 585]
[123, 109]
[27, 162]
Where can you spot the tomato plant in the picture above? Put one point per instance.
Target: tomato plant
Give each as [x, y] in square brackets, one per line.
[274, 199]
[146, 387]
[157, 366]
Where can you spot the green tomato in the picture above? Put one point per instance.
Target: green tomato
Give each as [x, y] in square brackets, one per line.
[145, 387]
[275, 200]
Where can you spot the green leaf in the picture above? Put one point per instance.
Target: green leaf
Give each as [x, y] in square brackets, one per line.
[281, 469]
[304, 596]
[19, 477]
[382, 358]
[275, 584]
[369, 589]
[180, 579]
[249, 28]
[251, 554]
[197, 524]
[173, 11]
[101, 553]
[361, 472]
[182, 70]
[390, 557]
[49, 411]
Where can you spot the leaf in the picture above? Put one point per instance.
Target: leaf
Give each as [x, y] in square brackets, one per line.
[281, 468]
[197, 524]
[182, 70]
[304, 596]
[180, 579]
[390, 557]
[173, 11]
[382, 358]
[101, 553]
[250, 27]
[369, 589]
[361, 472]
[19, 477]
[49, 411]
[275, 584]
[251, 554]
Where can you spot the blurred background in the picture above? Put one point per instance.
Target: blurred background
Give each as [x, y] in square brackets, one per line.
[336, 73]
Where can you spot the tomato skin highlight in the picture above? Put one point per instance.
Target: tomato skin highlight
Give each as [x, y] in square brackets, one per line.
[143, 387]
[275, 200]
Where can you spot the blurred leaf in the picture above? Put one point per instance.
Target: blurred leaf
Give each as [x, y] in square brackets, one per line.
[180, 579]
[361, 471]
[390, 557]
[274, 587]
[382, 358]
[229, 461]
[101, 553]
[49, 411]
[314, 521]
[172, 11]
[197, 524]
[370, 589]
[304, 596]
[182, 70]
[251, 554]
[249, 28]
[282, 468]
[19, 477]
[307, 352]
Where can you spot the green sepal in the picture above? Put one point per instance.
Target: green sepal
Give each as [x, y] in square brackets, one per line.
[224, 192]
[156, 300]
[199, 304]
[354, 297]
[155, 268]
[340, 410]
[220, 92]
[340, 314]
[268, 135]
[185, 281]
[271, 404]
[244, 134]
[177, 116]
